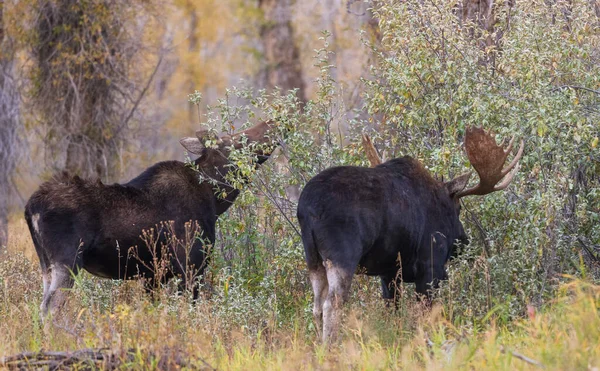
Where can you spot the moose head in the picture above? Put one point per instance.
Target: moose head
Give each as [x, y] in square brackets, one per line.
[214, 152]
[486, 157]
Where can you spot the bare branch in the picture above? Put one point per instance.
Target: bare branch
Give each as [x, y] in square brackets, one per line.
[562, 87]
[102, 358]
[143, 92]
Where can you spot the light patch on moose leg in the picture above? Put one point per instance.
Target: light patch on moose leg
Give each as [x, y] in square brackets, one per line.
[37, 237]
[46, 278]
[339, 280]
[55, 295]
[34, 220]
[318, 279]
[46, 281]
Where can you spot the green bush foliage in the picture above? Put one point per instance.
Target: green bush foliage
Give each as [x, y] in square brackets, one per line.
[540, 83]
[432, 79]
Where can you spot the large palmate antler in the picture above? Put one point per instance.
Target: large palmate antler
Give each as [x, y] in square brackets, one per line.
[488, 158]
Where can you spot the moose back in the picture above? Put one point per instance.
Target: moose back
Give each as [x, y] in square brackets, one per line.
[77, 223]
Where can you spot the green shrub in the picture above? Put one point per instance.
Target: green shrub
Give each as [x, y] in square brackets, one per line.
[431, 81]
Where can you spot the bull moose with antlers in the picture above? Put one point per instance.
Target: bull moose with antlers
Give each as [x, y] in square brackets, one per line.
[77, 223]
[393, 220]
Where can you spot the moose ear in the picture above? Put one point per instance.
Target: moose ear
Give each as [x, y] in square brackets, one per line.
[192, 145]
[457, 184]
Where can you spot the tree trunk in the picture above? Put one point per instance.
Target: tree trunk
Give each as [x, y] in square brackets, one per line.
[3, 187]
[481, 14]
[283, 68]
[482, 17]
[9, 124]
[87, 97]
[192, 48]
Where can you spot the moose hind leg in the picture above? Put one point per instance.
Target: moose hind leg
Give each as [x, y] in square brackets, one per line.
[60, 280]
[33, 223]
[339, 280]
[318, 280]
[46, 280]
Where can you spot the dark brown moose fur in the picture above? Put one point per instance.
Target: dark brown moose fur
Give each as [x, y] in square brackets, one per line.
[393, 220]
[77, 223]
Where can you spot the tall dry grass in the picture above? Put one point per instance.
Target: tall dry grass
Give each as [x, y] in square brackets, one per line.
[121, 316]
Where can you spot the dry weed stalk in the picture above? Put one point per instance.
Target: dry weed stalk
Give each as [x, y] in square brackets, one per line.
[171, 254]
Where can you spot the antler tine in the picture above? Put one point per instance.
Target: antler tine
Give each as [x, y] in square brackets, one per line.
[507, 179]
[371, 151]
[488, 158]
[384, 156]
[510, 145]
[515, 160]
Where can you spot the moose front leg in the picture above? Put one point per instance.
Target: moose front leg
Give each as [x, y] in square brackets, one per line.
[429, 281]
[389, 289]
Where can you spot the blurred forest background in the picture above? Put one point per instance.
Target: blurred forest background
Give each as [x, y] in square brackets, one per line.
[103, 89]
[99, 88]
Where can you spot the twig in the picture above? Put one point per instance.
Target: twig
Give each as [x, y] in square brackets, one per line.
[143, 92]
[474, 219]
[588, 249]
[576, 88]
[522, 357]
[272, 199]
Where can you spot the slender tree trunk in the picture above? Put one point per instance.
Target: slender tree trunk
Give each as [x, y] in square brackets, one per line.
[483, 17]
[373, 27]
[9, 124]
[192, 47]
[283, 68]
[3, 180]
[282, 59]
[87, 98]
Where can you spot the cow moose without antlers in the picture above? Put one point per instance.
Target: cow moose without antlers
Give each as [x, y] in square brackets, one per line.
[393, 220]
[77, 223]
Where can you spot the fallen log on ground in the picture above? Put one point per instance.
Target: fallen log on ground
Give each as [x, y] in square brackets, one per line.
[103, 359]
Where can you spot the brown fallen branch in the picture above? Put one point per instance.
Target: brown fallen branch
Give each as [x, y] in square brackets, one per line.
[103, 358]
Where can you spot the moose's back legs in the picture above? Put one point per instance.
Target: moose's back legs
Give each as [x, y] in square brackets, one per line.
[318, 280]
[339, 279]
[61, 279]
